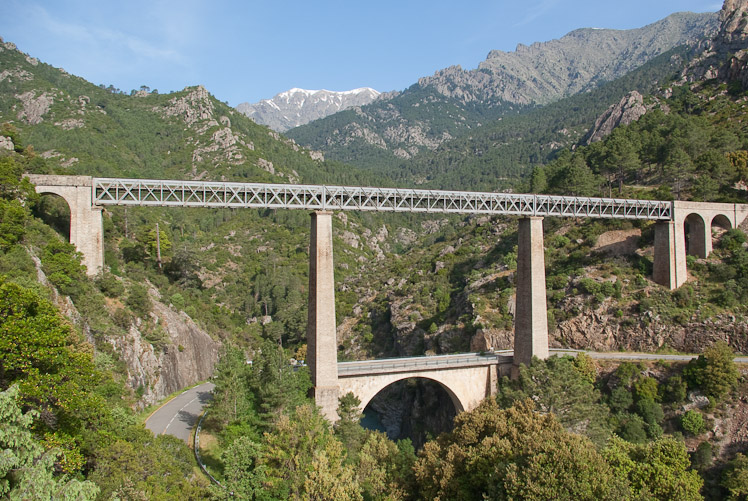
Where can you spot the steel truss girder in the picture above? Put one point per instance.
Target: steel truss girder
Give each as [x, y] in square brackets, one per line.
[109, 191]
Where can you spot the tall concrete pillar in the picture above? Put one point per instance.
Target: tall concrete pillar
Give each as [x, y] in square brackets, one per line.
[669, 255]
[86, 224]
[87, 232]
[322, 355]
[531, 313]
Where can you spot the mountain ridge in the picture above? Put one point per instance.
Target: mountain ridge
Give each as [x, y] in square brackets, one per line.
[453, 101]
[295, 107]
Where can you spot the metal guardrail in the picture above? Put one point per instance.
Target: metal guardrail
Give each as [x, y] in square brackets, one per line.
[197, 451]
[114, 191]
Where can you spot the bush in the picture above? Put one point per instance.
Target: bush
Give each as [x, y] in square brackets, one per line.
[735, 477]
[139, 301]
[714, 371]
[701, 458]
[620, 400]
[692, 422]
[646, 389]
[632, 429]
[674, 389]
[109, 285]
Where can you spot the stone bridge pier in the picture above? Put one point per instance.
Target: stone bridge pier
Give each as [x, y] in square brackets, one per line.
[86, 225]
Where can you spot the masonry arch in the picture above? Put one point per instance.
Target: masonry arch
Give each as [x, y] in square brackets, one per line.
[368, 395]
[54, 210]
[367, 388]
[696, 234]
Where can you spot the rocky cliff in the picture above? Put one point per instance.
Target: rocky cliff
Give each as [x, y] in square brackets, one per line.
[629, 109]
[187, 356]
[725, 56]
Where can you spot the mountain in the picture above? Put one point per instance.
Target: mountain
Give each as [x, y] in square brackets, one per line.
[454, 101]
[297, 107]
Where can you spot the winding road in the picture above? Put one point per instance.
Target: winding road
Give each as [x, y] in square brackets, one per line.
[179, 415]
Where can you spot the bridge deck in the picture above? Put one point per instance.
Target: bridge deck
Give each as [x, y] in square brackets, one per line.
[109, 191]
[420, 364]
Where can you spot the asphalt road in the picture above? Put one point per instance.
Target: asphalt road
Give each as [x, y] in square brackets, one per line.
[179, 415]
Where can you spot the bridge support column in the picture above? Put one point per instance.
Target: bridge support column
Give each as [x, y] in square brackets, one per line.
[322, 355]
[87, 234]
[669, 255]
[531, 317]
[86, 223]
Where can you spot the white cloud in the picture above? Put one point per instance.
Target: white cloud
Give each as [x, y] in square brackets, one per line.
[537, 11]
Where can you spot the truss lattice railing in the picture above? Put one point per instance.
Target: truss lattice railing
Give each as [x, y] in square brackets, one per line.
[311, 197]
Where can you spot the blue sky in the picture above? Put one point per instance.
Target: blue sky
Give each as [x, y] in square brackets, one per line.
[251, 50]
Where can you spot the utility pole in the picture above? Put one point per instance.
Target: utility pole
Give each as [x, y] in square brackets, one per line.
[158, 246]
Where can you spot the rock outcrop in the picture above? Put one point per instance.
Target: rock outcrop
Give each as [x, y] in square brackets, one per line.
[630, 109]
[189, 355]
[725, 57]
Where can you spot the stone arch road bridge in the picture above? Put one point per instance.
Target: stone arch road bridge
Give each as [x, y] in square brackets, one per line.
[467, 378]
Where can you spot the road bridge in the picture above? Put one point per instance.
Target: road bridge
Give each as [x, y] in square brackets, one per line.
[680, 228]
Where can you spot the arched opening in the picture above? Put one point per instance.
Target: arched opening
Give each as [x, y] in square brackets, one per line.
[414, 408]
[55, 212]
[720, 225]
[695, 231]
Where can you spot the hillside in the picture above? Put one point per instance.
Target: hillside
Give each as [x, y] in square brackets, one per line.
[63, 124]
[454, 101]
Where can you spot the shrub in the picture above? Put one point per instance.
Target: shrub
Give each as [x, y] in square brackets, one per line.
[702, 456]
[692, 422]
[674, 389]
[646, 389]
[109, 285]
[714, 371]
[139, 301]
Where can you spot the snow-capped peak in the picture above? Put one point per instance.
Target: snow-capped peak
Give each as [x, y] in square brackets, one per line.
[297, 106]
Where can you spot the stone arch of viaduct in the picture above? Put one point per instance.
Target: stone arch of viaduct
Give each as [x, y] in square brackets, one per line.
[531, 329]
[466, 386]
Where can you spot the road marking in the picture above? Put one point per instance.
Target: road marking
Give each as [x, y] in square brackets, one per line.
[176, 414]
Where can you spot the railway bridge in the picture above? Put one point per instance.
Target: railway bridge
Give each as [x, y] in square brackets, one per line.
[680, 228]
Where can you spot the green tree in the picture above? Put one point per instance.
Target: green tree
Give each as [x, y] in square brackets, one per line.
[27, 470]
[348, 428]
[276, 386]
[244, 475]
[735, 478]
[515, 453]
[303, 459]
[714, 371]
[232, 398]
[40, 352]
[656, 470]
[578, 178]
[13, 220]
[557, 386]
[678, 169]
[385, 469]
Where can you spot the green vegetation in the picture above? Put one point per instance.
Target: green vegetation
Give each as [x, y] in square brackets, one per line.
[407, 285]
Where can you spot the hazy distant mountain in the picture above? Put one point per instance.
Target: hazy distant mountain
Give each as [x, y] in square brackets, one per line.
[454, 101]
[299, 106]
